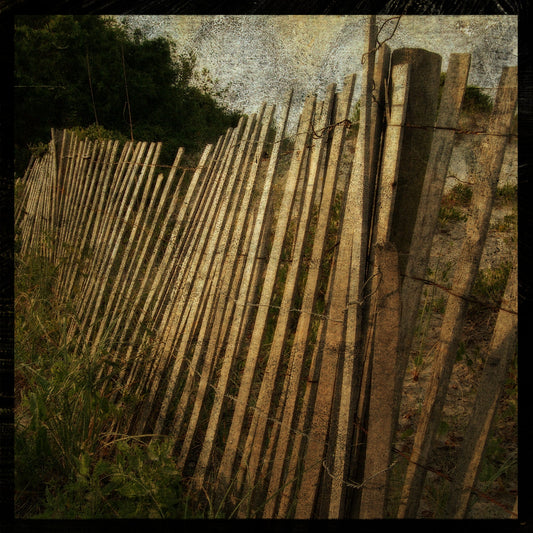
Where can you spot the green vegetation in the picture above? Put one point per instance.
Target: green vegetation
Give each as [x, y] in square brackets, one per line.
[450, 211]
[89, 71]
[490, 283]
[459, 195]
[474, 99]
[68, 461]
[506, 195]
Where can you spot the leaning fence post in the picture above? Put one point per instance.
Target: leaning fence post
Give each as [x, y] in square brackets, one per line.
[501, 349]
[419, 122]
[362, 185]
[486, 175]
[381, 408]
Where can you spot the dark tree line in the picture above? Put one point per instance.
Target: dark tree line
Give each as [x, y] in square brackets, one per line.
[79, 71]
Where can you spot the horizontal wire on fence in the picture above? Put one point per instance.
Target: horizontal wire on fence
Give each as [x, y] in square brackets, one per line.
[361, 484]
[443, 475]
[351, 483]
[469, 299]
[319, 134]
[361, 302]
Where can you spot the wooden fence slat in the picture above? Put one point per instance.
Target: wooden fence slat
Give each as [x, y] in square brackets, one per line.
[381, 408]
[486, 176]
[416, 144]
[158, 279]
[33, 229]
[381, 78]
[192, 241]
[359, 334]
[430, 201]
[85, 216]
[92, 225]
[53, 199]
[28, 212]
[254, 442]
[338, 449]
[212, 427]
[216, 242]
[226, 465]
[227, 305]
[116, 227]
[67, 187]
[391, 155]
[310, 291]
[130, 252]
[180, 271]
[218, 293]
[334, 341]
[105, 278]
[105, 239]
[502, 348]
[132, 302]
[31, 206]
[26, 188]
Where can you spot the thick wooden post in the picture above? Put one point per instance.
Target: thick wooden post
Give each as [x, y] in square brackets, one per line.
[416, 144]
[381, 409]
[487, 173]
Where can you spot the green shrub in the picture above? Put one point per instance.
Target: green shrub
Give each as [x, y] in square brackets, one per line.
[506, 194]
[450, 215]
[490, 283]
[96, 132]
[476, 101]
[66, 463]
[141, 481]
[459, 195]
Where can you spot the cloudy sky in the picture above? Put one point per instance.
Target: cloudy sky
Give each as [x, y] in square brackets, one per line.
[259, 57]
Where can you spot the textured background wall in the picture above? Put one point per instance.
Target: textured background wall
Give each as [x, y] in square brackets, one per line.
[258, 57]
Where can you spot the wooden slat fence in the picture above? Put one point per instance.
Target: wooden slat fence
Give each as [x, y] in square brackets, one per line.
[257, 317]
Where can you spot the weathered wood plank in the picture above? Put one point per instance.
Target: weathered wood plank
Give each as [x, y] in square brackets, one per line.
[226, 306]
[216, 238]
[104, 278]
[103, 244]
[204, 207]
[430, 201]
[132, 301]
[92, 225]
[334, 341]
[254, 441]
[416, 144]
[338, 450]
[361, 316]
[343, 103]
[501, 350]
[487, 172]
[157, 275]
[212, 427]
[381, 408]
[226, 465]
[218, 294]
